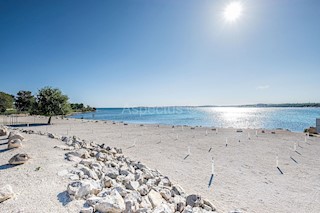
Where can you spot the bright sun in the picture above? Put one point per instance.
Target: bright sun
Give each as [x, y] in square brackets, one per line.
[233, 11]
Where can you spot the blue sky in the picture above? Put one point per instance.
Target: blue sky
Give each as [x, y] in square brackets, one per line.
[162, 52]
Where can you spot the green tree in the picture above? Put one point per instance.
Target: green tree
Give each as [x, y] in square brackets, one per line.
[51, 102]
[24, 101]
[6, 102]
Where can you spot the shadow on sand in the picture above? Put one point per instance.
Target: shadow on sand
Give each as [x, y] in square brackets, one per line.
[30, 125]
[63, 198]
[4, 150]
[7, 166]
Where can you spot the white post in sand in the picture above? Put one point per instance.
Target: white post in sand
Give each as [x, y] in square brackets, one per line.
[206, 132]
[177, 136]
[189, 151]
[27, 125]
[277, 161]
[226, 141]
[295, 147]
[257, 133]
[248, 135]
[134, 142]
[212, 165]
[305, 139]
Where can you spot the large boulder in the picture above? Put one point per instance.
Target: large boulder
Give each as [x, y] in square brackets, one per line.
[6, 193]
[15, 135]
[16, 143]
[19, 159]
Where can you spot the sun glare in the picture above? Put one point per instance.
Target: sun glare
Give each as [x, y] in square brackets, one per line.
[233, 11]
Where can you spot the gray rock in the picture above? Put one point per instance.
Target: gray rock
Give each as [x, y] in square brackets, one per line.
[87, 210]
[6, 193]
[188, 209]
[155, 198]
[194, 200]
[178, 190]
[163, 208]
[143, 190]
[132, 185]
[112, 203]
[208, 203]
[15, 135]
[145, 203]
[89, 172]
[180, 203]
[15, 143]
[165, 182]
[110, 172]
[3, 131]
[80, 189]
[165, 193]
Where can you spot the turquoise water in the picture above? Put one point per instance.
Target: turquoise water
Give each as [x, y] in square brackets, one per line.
[294, 119]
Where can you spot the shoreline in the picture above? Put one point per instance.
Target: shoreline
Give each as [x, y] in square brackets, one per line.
[246, 176]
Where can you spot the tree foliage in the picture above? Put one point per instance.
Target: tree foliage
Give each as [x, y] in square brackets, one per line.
[51, 102]
[76, 107]
[24, 101]
[6, 102]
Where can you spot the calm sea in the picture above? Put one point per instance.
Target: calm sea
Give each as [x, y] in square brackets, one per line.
[294, 119]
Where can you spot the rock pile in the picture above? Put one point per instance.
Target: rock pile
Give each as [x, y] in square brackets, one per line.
[107, 181]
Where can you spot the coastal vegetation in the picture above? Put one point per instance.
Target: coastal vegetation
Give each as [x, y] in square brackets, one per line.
[48, 102]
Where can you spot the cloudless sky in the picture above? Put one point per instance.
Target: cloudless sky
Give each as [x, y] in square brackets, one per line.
[113, 53]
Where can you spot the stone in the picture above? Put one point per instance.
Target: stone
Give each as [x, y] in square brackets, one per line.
[15, 135]
[6, 193]
[165, 193]
[80, 189]
[123, 192]
[112, 203]
[165, 182]
[89, 172]
[15, 143]
[180, 203]
[155, 198]
[208, 203]
[145, 203]
[3, 131]
[131, 204]
[163, 208]
[143, 210]
[51, 135]
[87, 210]
[178, 190]
[19, 159]
[64, 147]
[143, 190]
[194, 200]
[110, 172]
[107, 182]
[188, 209]
[133, 185]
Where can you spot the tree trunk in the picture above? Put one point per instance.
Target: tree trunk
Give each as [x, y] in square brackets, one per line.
[49, 121]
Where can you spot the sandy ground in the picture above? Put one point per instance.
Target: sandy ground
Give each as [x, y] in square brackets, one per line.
[246, 177]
